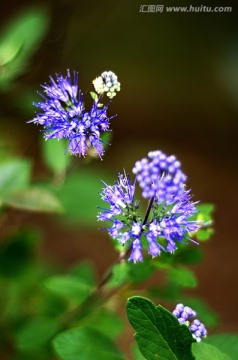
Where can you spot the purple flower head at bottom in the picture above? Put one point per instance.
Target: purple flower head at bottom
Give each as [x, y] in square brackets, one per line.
[165, 224]
[184, 314]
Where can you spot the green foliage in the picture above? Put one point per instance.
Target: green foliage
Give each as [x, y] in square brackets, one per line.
[188, 255]
[35, 199]
[84, 272]
[203, 351]
[14, 176]
[107, 322]
[68, 287]
[55, 156]
[19, 41]
[226, 343]
[136, 353]
[182, 277]
[36, 333]
[16, 190]
[80, 196]
[130, 272]
[17, 253]
[205, 215]
[158, 333]
[84, 344]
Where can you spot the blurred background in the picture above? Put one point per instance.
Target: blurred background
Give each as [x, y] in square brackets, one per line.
[179, 80]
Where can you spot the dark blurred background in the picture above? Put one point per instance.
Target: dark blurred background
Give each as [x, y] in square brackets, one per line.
[179, 77]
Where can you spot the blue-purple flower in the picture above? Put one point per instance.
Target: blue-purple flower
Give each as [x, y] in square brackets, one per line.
[63, 115]
[167, 221]
[159, 175]
[184, 314]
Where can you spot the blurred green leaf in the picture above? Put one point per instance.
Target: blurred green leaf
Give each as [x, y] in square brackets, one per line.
[14, 175]
[227, 343]
[55, 156]
[136, 353]
[158, 332]
[84, 272]
[17, 252]
[108, 323]
[34, 199]
[205, 313]
[68, 287]
[204, 234]
[80, 196]
[36, 333]
[85, 344]
[135, 273]
[169, 292]
[203, 351]
[182, 277]
[188, 255]
[19, 40]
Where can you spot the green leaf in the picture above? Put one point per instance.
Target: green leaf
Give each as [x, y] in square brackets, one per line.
[203, 351]
[204, 234]
[94, 96]
[205, 211]
[136, 353]
[14, 175]
[68, 287]
[19, 41]
[35, 199]
[135, 273]
[188, 255]
[80, 196]
[108, 323]
[158, 333]
[36, 333]
[55, 156]
[182, 277]
[227, 343]
[17, 252]
[85, 344]
[84, 272]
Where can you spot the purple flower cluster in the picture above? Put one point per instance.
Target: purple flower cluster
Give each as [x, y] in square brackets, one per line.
[166, 222]
[63, 115]
[159, 175]
[184, 314]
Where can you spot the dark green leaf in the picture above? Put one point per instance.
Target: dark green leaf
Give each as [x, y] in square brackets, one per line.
[55, 156]
[227, 343]
[14, 175]
[34, 199]
[203, 351]
[17, 252]
[36, 332]
[188, 255]
[182, 277]
[85, 344]
[158, 333]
